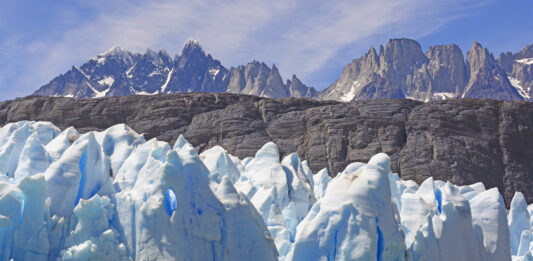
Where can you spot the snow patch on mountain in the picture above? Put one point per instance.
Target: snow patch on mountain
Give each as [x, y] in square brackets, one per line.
[518, 85]
[109, 80]
[214, 72]
[165, 85]
[82, 72]
[525, 61]
[348, 96]
[443, 95]
[146, 93]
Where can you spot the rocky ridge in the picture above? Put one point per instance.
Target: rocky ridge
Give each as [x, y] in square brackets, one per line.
[519, 68]
[463, 141]
[399, 69]
[119, 72]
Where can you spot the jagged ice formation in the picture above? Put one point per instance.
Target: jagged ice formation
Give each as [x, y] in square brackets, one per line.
[112, 195]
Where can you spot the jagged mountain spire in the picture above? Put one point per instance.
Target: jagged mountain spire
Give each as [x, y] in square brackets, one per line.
[402, 70]
[398, 69]
[486, 78]
[119, 72]
[191, 42]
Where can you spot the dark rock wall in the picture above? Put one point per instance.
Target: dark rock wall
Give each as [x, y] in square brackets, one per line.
[462, 141]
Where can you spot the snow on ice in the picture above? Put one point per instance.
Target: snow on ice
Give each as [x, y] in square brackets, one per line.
[112, 195]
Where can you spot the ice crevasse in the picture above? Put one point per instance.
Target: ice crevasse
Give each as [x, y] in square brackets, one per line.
[112, 195]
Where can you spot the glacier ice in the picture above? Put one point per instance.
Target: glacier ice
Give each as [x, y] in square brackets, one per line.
[519, 220]
[355, 220]
[112, 195]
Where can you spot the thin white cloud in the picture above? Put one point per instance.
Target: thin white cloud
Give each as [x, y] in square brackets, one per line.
[337, 27]
[299, 36]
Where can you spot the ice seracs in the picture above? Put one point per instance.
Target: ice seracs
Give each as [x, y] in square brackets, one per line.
[112, 195]
[489, 215]
[321, 181]
[220, 164]
[24, 219]
[279, 190]
[355, 220]
[519, 221]
[93, 236]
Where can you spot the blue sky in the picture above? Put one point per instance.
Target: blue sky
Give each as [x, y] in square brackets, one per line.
[41, 39]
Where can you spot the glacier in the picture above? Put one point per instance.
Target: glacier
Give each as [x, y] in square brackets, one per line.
[112, 195]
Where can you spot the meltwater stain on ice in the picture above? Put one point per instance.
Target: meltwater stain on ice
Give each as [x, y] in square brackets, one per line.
[380, 242]
[438, 197]
[170, 201]
[82, 165]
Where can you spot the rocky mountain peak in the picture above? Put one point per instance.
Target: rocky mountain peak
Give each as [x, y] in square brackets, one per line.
[374, 75]
[400, 52]
[519, 68]
[443, 52]
[402, 70]
[478, 56]
[193, 56]
[526, 52]
[447, 71]
[371, 61]
[295, 79]
[298, 89]
[160, 57]
[274, 72]
[487, 78]
[401, 57]
[191, 44]
[372, 51]
[113, 56]
[192, 50]
[119, 72]
[151, 53]
[255, 67]
[506, 61]
[114, 51]
[398, 69]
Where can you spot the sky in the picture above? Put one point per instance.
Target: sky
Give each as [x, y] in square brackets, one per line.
[40, 39]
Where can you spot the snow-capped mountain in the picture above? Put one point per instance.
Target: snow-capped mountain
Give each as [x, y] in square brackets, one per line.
[402, 70]
[112, 195]
[397, 70]
[119, 72]
[519, 69]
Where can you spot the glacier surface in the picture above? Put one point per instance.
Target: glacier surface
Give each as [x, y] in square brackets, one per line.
[112, 195]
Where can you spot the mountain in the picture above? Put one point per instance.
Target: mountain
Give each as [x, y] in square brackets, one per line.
[258, 79]
[463, 141]
[402, 70]
[119, 72]
[486, 78]
[113, 195]
[519, 68]
[399, 69]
